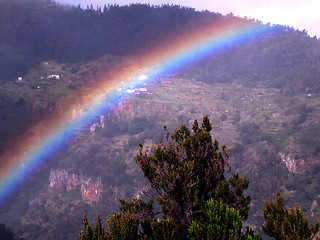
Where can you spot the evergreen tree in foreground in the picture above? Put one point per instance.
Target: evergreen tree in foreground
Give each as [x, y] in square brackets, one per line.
[197, 201]
[187, 170]
[282, 223]
[187, 173]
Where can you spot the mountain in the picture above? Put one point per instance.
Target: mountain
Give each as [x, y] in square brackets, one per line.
[262, 97]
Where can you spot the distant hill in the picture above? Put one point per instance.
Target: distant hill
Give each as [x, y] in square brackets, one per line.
[284, 58]
[35, 30]
[42, 30]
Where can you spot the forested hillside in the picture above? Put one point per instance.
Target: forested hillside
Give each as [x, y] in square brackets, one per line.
[45, 30]
[262, 97]
[284, 58]
[36, 30]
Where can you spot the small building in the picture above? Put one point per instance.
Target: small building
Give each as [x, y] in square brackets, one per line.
[143, 90]
[130, 90]
[53, 76]
[137, 90]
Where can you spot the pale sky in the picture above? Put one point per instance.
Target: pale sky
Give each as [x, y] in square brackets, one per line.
[300, 14]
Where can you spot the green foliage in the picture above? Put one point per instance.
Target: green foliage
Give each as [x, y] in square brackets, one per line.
[150, 227]
[142, 209]
[251, 132]
[113, 128]
[284, 58]
[123, 226]
[188, 170]
[279, 59]
[88, 233]
[219, 223]
[42, 30]
[163, 229]
[282, 223]
[126, 225]
[137, 125]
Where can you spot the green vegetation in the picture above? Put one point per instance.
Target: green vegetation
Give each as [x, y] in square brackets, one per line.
[262, 97]
[47, 28]
[282, 223]
[220, 222]
[107, 156]
[187, 174]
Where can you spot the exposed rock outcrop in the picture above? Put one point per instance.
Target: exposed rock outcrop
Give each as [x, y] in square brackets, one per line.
[91, 189]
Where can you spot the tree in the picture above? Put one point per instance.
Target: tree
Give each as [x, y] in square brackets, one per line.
[220, 222]
[282, 223]
[187, 170]
[187, 174]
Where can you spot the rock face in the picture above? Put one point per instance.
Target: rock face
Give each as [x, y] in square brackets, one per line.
[293, 165]
[91, 189]
[290, 162]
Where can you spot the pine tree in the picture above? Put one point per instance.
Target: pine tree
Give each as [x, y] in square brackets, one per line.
[187, 174]
[187, 170]
[220, 222]
[97, 232]
[282, 223]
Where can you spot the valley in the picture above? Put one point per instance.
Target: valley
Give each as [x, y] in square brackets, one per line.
[273, 140]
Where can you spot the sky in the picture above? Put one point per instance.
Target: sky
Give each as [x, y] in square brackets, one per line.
[300, 14]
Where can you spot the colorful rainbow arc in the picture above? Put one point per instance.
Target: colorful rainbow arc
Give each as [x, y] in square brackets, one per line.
[169, 57]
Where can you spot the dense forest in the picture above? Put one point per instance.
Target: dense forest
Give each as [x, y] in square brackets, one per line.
[34, 30]
[261, 95]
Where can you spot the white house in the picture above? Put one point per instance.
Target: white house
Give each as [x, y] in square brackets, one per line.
[53, 76]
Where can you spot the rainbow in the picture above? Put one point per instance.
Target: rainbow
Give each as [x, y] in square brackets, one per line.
[48, 136]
